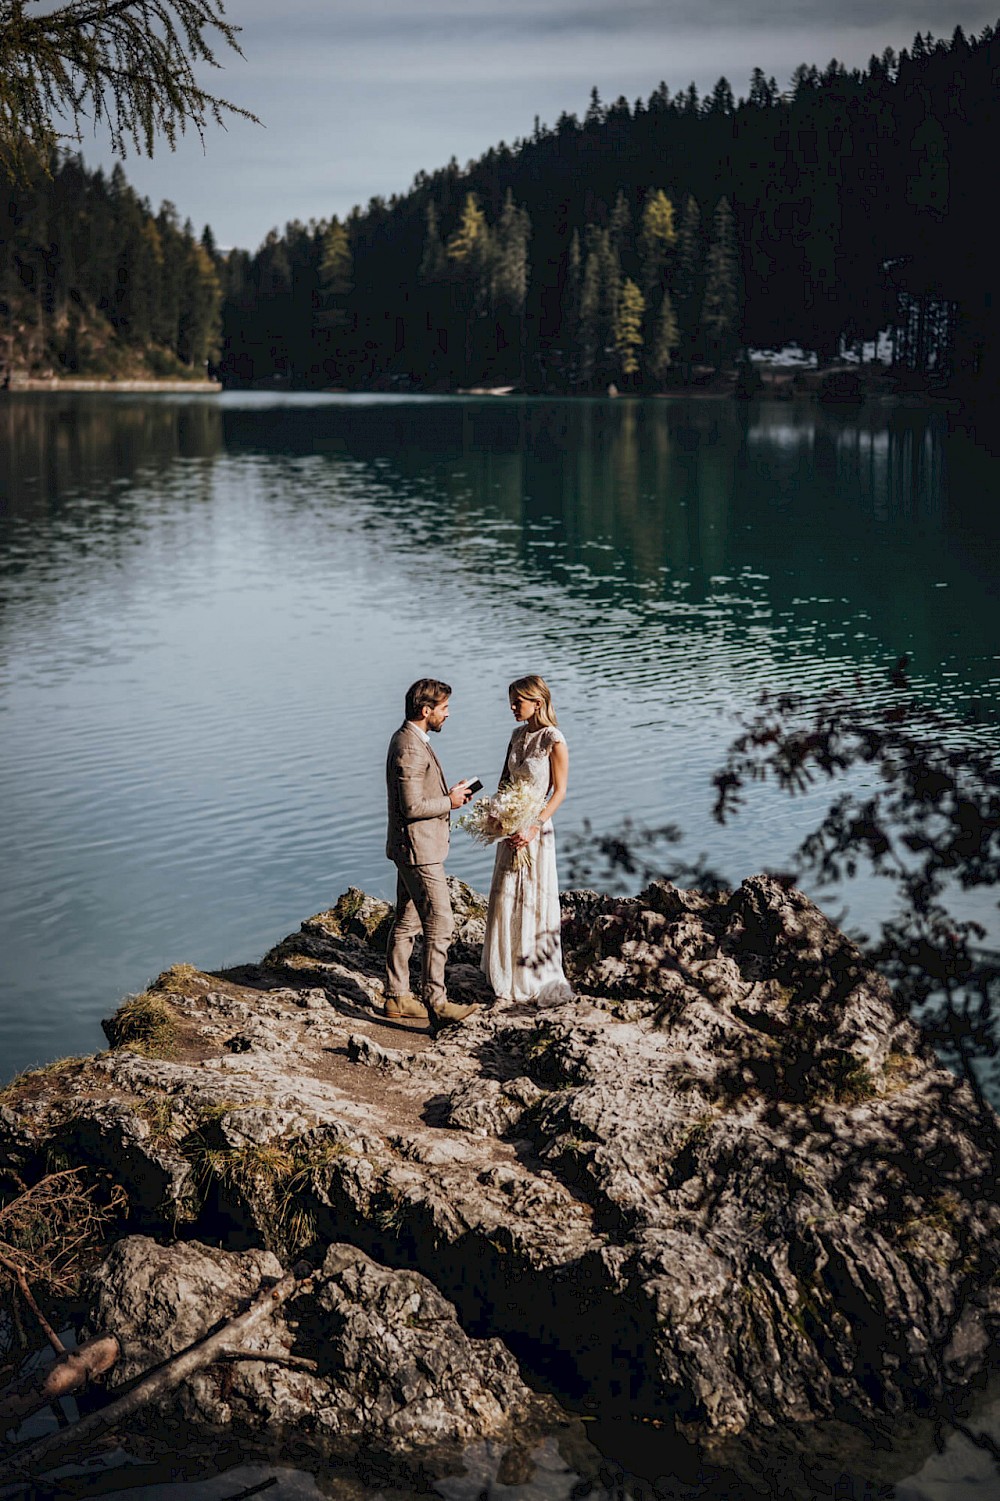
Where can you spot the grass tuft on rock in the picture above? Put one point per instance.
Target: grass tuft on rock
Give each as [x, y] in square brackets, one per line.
[179, 979]
[158, 1111]
[143, 1023]
[261, 1175]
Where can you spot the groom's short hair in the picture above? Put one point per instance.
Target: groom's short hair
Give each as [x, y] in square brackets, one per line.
[425, 691]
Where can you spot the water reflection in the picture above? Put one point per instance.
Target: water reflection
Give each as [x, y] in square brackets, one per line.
[52, 446]
[830, 510]
[912, 1458]
[827, 510]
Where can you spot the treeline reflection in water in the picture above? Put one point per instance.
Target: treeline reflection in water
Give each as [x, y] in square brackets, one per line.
[822, 533]
[55, 446]
[675, 487]
[820, 508]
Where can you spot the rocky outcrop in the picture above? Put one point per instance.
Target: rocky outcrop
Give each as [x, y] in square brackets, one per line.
[727, 1183]
[366, 1363]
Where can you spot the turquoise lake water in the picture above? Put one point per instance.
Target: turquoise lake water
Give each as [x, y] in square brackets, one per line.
[210, 609]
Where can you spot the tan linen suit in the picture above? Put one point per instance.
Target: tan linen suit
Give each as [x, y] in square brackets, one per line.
[419, 806]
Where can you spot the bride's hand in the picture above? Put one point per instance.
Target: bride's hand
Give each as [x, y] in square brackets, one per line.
[524, 837]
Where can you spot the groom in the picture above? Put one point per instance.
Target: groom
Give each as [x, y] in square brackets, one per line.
[420, 805]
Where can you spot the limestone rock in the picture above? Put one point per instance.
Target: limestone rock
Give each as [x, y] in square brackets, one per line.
[368, 1360]
[157, 1300]
[726, 1182]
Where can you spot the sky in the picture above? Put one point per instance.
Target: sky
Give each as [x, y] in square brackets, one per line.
[356, 96]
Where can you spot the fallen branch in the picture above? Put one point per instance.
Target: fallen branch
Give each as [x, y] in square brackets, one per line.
[254, 1490]
[38, 1388]
[290, 1362]
[165, 1377]
[48, 1234]
[17, 1272]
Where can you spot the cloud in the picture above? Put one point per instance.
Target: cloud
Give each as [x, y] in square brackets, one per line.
[359, 95]
[459, 42]
[392, 27]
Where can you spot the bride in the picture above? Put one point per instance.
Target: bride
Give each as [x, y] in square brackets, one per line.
[522, 953]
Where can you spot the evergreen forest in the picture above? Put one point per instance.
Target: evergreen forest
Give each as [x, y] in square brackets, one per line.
[93, 284]
[642, 245]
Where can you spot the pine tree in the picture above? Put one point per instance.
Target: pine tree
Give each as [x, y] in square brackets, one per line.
[599, 296]
[139, 262]
[763, 91]
[569, 322]
[433, 262]
[510, 277]
[201, 297]
[271, 324]
[432, 334]
[595, 110]
[687, 278]
[622, 235]
[720, 101]
[589, 328]
[628, 330]
[620, 223]
[336, 275]
[510, 263]
[721, 308]
[146, 254]
[805, 81]
[165, 329]
[657, 237]
[209, 246]
[470, 253]
[467, 246]
[666, 339]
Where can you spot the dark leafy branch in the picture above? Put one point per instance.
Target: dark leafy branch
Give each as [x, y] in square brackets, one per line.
[127, 64]
[924, 814]
[920, 810]
[634, 852]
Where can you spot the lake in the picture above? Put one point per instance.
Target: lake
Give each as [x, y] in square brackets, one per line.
[210, 609]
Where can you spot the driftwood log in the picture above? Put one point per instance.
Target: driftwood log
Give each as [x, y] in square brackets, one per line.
[163, 1379]
[73, 1369]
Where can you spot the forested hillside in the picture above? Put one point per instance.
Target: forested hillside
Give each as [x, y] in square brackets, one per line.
[637, 245]
[629, 243]
[92, 283]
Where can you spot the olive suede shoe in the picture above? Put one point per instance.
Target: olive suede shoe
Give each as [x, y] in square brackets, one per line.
[403, 1007]
[449, 1014]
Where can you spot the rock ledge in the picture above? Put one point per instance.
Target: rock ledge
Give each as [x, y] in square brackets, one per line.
[726, 1185]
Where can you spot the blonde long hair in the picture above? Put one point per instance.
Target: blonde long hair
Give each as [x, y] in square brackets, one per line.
[536, 690]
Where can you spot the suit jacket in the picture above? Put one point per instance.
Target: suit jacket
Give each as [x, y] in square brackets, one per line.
[418, 801]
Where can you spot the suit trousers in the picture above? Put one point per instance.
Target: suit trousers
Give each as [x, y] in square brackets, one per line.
[422, 901]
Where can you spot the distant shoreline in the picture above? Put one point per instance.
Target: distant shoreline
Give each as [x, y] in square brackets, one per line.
[73, 383]
[773, 386]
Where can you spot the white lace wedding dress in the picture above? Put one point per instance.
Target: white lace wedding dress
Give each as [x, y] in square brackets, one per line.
[522, 952]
